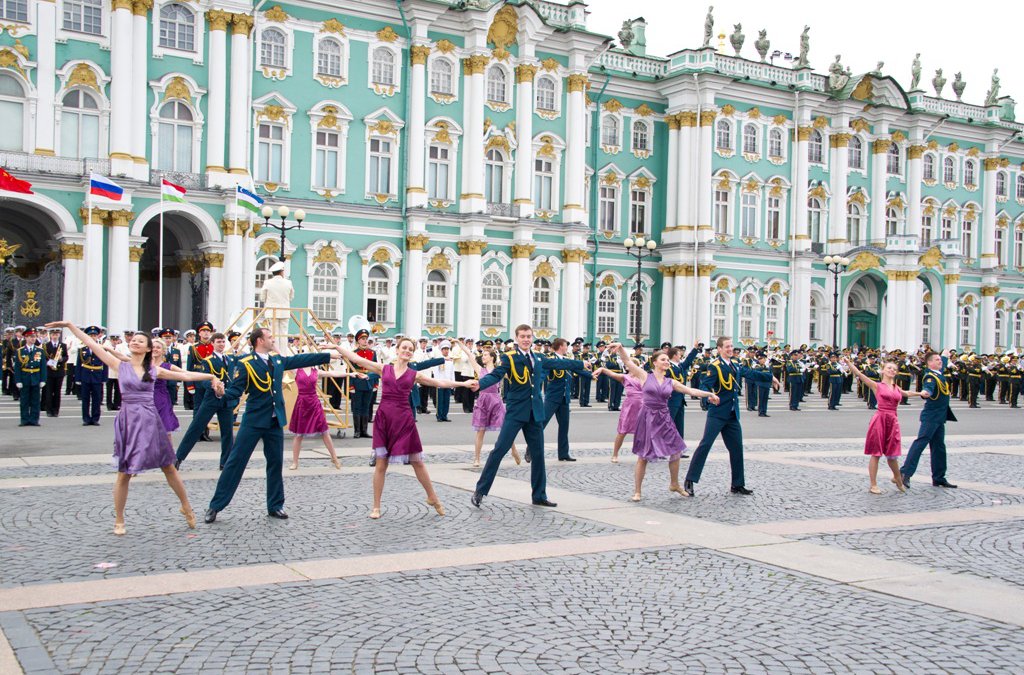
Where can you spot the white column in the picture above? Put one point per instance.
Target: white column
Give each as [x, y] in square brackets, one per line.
[703, 328]
[685, 183]
[573, 210]
[117, 271]
[879, 176]
[72, 251]
[988, 221]
[668, 287]
[241, 25]
[682, 334]
[216, 115]
[522, 283]
[213, 259]
[800, 236]
[892, 309]
[412, 286]
[185, 293]
[989, 289]
[135, 252]
[92, 262]
[46, 76]
[799, 302]
[234, 268]
[472, 195]
[950, 308]
[572, 292]
[140, 87]
[672, 195]
[249, 265]
[121, 55]
[470, 280]
[914, 173]
[415, 187]
[525, 73]
[703, 182]
[839, 144]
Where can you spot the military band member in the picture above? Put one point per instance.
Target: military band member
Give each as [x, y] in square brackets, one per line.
[29, 377]
[91, 374]
[870, 371]
[974, 380]
[614, 365]
[173, 357]
[56, 358]
[835, 382]
[601, 395]
[11, 347]
[795, 376]
[588, 358]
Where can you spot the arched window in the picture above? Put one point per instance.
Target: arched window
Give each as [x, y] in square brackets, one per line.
[1018, 246]
[175, 137]
[328, 57]
[813, 328]
[606, 314]
[816, 220]
[177, 28]
[969, 173]
[926, 321]
[263, 266]
[494, 176]
[719, 309]
[815, 148]
[641, 136]
[748, 214]
[378, 293]
[966, 326]
[1000, 323]
[437, 299]
[775, 144]
[383, 71]
[79, 125]
[83, 16]
[543, 183]
[723, 135]
[928, 167]
[545, 94]
[946, 226]
[1020, 186]
[542, 303]
[328, 159]
[497, 85]
[892, 160]
[441, 77]
[948, 170]
[747, 320]
[492, 309]
[273, 45]
[636, 314]
[12, 113]
[771, 317]
[325, 292]
[855, 155]
[891, 222]
[610, 130]
[1000, 184]
[750, 139]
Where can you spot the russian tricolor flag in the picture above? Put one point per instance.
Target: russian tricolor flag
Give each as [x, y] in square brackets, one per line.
[101, 186]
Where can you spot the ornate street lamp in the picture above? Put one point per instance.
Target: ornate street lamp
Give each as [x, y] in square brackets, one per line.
[836, 265]
[639, 248]
[282, 212]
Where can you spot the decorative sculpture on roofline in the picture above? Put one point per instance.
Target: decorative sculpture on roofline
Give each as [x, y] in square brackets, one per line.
[915, 72]
[762, 45]
[838, 76]
[737, 38]
[992, 97]
[709, 26]
[805, 47]
[626, 34]
[958, 86]
[938, 82]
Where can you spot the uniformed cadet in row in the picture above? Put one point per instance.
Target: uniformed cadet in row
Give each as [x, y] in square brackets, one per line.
[56, 359]
[219, 365]
[29, 377]
[796, 377]
[13, 340]
[557, 395]
[90, 374]
[197, 352]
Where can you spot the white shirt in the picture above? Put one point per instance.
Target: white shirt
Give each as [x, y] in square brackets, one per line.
[277, 291]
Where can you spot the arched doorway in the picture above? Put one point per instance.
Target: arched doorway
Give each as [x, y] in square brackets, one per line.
[864, 302]
[185, 277]
[31, 273]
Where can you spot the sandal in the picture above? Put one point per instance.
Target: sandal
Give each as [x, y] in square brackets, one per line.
[375, 514]
[875, 490]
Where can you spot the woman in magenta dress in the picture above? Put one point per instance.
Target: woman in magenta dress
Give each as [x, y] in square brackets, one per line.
[631, 401]
[308, 419]
[140, 440]
[489, 409]
[655, 438]
[395, 438]
[883, 437]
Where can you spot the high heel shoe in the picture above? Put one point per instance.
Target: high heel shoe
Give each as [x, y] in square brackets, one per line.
[437, 506]
[336, 462]
[119, 529]
[516, 456]
[615, 460]
[900, 486]
[375, 514]
[635, 498]
[875, 490]
[293, 466]
[190, 517]
[678, 490]
[476, 463]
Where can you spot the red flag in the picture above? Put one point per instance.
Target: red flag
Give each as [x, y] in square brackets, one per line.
[12, 184]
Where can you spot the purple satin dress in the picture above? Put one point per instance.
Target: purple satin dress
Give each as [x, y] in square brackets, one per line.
[308, 417]
[489, 409]
[656, 438]
[162, 400]
[140, 439]
[394, 428]
[631, 403]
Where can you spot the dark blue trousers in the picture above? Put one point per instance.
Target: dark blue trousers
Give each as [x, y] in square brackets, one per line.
[752, 393]
[444, 402]
[762, 400]
[201, 417]
[559, 409]
[533, 432]
[92, 397]
[614, 395]
[835, 391]
[678, 417]
[231, 476]
[29, 404]
[732, 436]
[796, 393]
[602, 388]
[197, 399]
[585, 391]
[360, 403]
[932, 435]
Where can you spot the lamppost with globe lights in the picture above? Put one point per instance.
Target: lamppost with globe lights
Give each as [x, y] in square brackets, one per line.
[282, 212]
[836, 265]
[639, 248]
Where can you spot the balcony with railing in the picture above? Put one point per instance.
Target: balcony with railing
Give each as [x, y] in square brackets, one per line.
[189, 181]
[567, 16]
[630, 63]
[503, 210]
[24, 162]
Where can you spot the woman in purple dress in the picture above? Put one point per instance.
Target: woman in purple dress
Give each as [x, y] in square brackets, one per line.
[489, 409]
[656, 438]
[395, 438]
[140, 440]
[631, 401]
[308, 419]
[161, 395]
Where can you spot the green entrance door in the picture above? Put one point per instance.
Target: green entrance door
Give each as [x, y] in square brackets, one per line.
[862, 329]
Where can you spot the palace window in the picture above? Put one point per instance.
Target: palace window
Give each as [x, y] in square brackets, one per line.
[379, 178]
[928, 167]
[815, 148]
[543, 183]
[270, 153]
[83, 16]
[948, 170]
[442, 80]
[1000, 246]
[636, 313]
[607, 208]
[174, 136]
[1020, 186]
[1018, 330]
[771, 317]
[325, 291]
[494, 177]
[1000, 322]
[891, 222]
[610, 130]
[719, 310]
[969, 173]
[328, 159]
[497, 85]
[641, 136]
[927, 225]
[721, 213]
[856, 153]
[492, 309]
[813, 316]
[967, 239]
[378, 293]
[723, 135]
[177, 28]
[273, 46]
[946, 225]
[775, 144]
[854, 224]
[383, 70]
[80, 126]
[892, 160]
[1001, 190]
[926, 322]
[438, 169]
[542, 303]
[14, 10]
[816, 220]
[437, 299]
[263, 266]
[1018, 248]
[546, 94]
[606, 312]
[774, 218]
[638, 211]
[747, 304]
[329, 56]
[748, 215]
[966, 325]
[12, 113]
[751, 142]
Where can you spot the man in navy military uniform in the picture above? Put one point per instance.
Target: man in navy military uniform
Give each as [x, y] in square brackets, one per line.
[795, 377]
[722, 378]
[557, 395]
[219, 365]
[613, 364]
[56, 357]
[524, 411]
[194, 362]
[934, 415]
[601, 395]
[90, 373]
[29, 378]
[174, 358]
[763, 386]
[259, 374]
[678, 371]
[835, 382]
[585, 382]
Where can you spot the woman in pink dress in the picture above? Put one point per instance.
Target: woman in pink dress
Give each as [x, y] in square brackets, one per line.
[631, 402]
[489, 409]
[395, 438]
[308, 419]
[883, 437]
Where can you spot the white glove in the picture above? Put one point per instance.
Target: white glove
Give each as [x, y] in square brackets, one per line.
[42, 384]
[52, 363]
[19, 385]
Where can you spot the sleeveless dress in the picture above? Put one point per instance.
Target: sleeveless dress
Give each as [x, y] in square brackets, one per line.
[656, 438]
[140, 440]
[162, 400]
[631, 402]
[394, 428]
[883, 437]
[308, 417]
[489, 409]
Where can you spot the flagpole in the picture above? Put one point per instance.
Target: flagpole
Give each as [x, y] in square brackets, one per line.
[160, 264]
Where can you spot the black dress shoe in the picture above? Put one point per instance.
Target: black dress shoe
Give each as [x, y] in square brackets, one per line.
[279, 514]
[177, 464]
[221, 467]
[740, 490]
[476, 499]
[688, 487]
[210, 516]
[24, 424]
[763, 415]
[543, 502]
[943, 483]
[566, 459]
[526, 456]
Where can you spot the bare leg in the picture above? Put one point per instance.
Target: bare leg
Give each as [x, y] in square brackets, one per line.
[174, 480]
[873, 474]
[515, 454]
[479, 445]
[380, 469]
[617, 446]
[120, 499]
[897, 477]
[638, 477]
[329, 444]
[296, 446]
[424, 478]
[673, 473]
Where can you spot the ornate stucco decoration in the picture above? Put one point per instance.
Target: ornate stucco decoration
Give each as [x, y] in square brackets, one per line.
[865, 260]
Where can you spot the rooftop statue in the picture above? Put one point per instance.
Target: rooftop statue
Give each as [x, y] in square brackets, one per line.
[938, 82]
[709, 26]
[737, 38]
[805, 46]
[958, 86]
[992, 96]
[762, 44]
[915, 72]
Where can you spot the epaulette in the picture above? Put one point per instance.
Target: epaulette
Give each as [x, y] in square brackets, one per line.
[245, 359]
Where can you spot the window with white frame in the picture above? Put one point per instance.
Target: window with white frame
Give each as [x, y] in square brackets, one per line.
[607, 305]
[635, 313]
[639, 210]
[854, 224]
[543, 183]
[263, 266]
[328, 159]
[721, 213]
[773, 218]
[270, 153]
[966, 325]
[1000, 246]
[892, 160]
[14, 10]
[1018, 248]
[273, 48]
[325, 291]
[719, 309]
[1001, 190]
[378, 293]
[927, 228]
[438, 169]
[1018, 330]
[1020, 186]
[747, 320]
[382, 71]
[946, 227]
[379, 179]
[610, 131]
[641, 136]
[84, 16]
[948, 170]
[546, 92]
[969, 173]
[329, 56]
[967, 238]
[926, 321]
[442, 77]
[497, 85]
[1000, 322]
[494, 177]
[12, 113]
[174, 135]
[492, 308]
[542, 303]
[775, 144]
[748, 215]
[177, 28]
[856, 153]
[607, 207]
[817, 222]
[891, 222]
[723, 135]
[751, 141]
[813, 330]
[437, 299]
[928, 167]
[815, 148]
[80, 126]
[772, 309]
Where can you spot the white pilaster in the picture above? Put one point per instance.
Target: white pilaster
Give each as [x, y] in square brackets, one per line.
[799, 303]
[989, 289]
[135, 251]
[801, 236]
[234, 268]
[471, 199]
[839, 144]
[72, 252]
[413, 283]
[470, 280]
[914, 175]
[522, 282]
[525, 73]
[703, 328]
[92, 263]
[950, 307]
[683, 297]
[879, 176]
[213, 259]
[703, 182]
[668, 288]
[46, 75]
[415, 187]
[672, 196]
[988, 223]
[121, 55]
[216, 117]
[117, 271]
[241, 25]
[572, 292]
[573, 210]
[249, 265]
[139, 88]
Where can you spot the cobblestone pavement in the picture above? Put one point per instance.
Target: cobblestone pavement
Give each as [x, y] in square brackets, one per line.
[978, 467]
[657, 610]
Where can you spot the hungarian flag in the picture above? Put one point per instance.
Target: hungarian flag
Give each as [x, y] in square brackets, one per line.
[171, 192]
[12, 184]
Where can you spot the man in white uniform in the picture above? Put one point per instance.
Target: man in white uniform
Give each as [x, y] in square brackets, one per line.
[277, 294]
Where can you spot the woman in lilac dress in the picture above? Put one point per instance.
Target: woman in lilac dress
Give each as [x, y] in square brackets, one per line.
[140, 440]
[631, 401]
[161, 395]
[656, 438]
[395, 438]
[308, 419]
[489, 409]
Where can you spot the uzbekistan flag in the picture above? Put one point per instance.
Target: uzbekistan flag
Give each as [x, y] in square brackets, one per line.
[102, 186]
[171, 192]
[248, 200]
